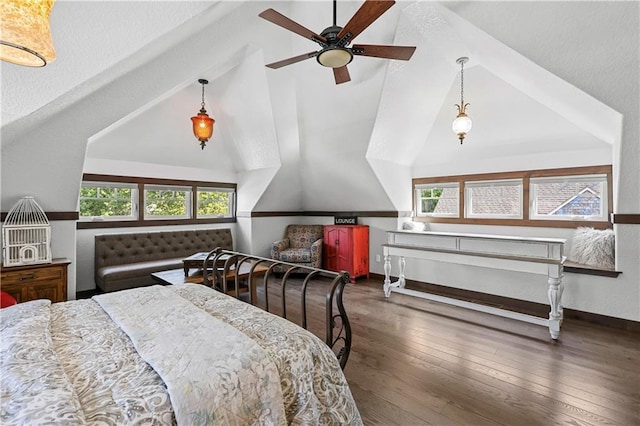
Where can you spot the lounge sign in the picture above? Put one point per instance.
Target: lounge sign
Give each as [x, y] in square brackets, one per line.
[345, 220]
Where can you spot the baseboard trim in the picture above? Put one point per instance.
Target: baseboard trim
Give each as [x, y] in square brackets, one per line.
[516, 305]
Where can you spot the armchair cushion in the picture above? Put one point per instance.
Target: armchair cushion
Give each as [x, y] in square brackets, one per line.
[296, 255]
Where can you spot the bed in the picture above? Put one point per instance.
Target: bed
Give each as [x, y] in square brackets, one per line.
[181, 354]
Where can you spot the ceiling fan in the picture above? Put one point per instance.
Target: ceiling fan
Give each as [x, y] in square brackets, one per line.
[334, 40]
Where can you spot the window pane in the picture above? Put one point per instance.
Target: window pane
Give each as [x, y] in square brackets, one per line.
[438, 200]
[582, 198]
[167, 202]
[107, 201]
[498, 199]
[214, 203]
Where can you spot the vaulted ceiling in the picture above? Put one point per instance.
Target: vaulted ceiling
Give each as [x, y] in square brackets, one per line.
[292, 130]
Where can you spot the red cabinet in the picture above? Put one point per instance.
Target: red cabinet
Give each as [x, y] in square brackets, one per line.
[346, 248]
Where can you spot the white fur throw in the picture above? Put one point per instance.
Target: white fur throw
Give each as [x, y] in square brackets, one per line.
[414, 226]
[593, 247]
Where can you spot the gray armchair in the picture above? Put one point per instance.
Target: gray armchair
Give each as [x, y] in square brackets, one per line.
[301, 244]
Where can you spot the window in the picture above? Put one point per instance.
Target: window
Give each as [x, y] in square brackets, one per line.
[215, 202]
[167, 202]
[108, 201]
[123, 201]
[569, 198]
[494, 199]
[438, 199]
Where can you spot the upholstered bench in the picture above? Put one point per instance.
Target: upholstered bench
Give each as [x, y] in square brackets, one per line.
[127, 260]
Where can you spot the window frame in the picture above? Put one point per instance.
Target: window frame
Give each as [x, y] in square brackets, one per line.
[468, 197]
[187, 203]
[418, 199]
[143, 183]
[526, 176]
[115, 185]
[576, 178]
[232, 201]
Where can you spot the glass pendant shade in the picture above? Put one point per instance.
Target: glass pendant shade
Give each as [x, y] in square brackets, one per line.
[203, 126]
[462, 124]
[335, 58]
[25, 36]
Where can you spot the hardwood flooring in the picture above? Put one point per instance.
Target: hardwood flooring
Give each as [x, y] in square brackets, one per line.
[416, 362]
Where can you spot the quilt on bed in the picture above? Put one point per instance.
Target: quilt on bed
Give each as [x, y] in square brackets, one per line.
[71, 363]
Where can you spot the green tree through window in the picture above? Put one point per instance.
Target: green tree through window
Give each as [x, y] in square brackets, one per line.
[166, 203]
[105, 201]
[430, 198]
[213, 203]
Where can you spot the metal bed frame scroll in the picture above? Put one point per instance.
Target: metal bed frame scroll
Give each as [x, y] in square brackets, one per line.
[227, 261]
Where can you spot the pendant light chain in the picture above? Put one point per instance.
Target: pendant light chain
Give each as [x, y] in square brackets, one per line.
[202, 104]
[462, 83]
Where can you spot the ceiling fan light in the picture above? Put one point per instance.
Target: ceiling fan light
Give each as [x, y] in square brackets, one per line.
[334, 57]
[25, 33]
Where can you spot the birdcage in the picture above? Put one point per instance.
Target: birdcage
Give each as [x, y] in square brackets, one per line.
[26, 235]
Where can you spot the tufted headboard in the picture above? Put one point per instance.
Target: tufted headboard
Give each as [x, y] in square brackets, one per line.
[118, 249]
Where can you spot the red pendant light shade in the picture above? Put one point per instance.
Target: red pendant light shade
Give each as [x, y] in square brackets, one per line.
[202, 123]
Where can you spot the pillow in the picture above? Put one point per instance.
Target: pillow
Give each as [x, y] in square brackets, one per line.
[414, 226]
[593, 247]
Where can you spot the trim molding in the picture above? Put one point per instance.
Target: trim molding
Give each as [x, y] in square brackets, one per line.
[626, 219]
[51, 215]
[375, 213]
[516, 305]
[158, 222]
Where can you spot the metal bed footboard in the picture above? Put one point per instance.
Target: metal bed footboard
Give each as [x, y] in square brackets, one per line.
[227, 261]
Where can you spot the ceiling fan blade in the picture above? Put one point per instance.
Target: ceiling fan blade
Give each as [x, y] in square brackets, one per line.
[341, 75]
[281, 20]
[379, 51]
[293, 60]
[368, 12]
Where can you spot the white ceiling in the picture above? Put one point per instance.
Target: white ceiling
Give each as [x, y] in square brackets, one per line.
[392, 111]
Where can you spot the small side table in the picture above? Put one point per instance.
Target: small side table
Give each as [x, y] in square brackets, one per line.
[41, 281]
[196, 261]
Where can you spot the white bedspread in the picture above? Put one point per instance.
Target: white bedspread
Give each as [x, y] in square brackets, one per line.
[69, 363]
[213, 372]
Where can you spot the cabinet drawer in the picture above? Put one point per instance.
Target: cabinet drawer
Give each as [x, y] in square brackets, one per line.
[19, 277]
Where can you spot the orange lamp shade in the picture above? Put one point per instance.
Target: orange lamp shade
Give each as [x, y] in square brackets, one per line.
[25, 37]
[203, 126]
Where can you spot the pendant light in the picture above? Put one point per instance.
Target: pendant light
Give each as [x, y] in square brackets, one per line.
[25, 36]
[462, 124]
[202, 123]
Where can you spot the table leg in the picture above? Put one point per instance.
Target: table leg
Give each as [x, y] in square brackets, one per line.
[388, 285]
[556, 288]
[387, 275]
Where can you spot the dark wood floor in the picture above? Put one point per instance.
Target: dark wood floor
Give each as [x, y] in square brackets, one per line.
[416, 362]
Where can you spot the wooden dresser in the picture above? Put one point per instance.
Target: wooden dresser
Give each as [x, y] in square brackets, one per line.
[346, 248]
[42, 281]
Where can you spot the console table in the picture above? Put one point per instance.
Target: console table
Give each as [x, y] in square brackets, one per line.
[543, 256]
